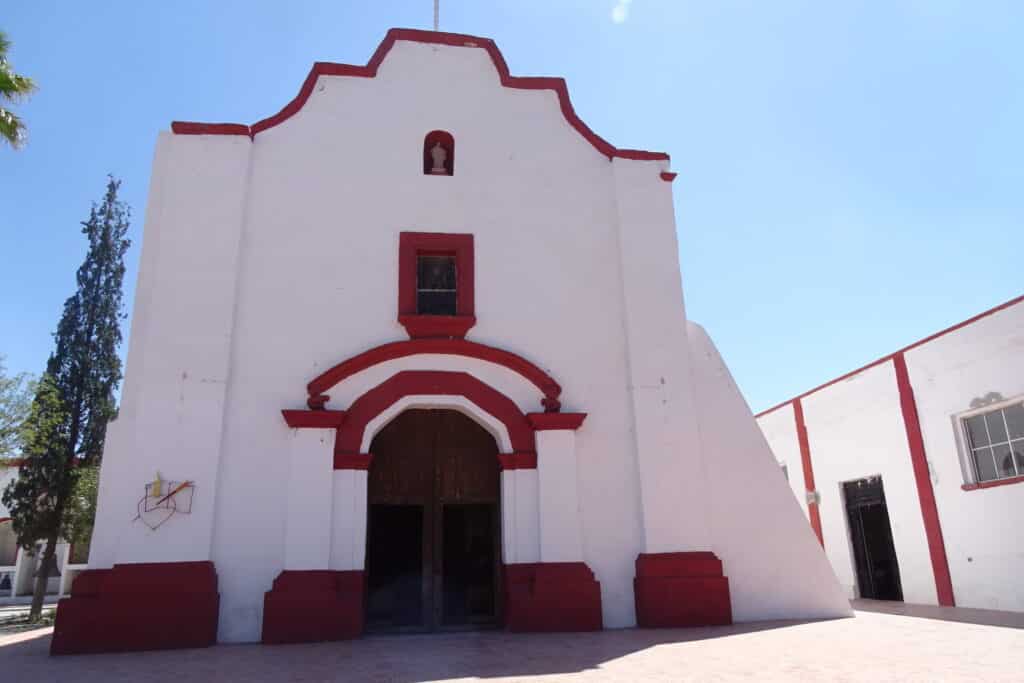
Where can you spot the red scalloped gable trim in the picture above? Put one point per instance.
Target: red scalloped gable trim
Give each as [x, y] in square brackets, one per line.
[435, 38]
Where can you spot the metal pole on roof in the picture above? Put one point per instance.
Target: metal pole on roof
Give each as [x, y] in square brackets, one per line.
[437, 12]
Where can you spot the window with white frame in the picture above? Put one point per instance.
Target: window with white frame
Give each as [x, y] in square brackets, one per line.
[995, 441]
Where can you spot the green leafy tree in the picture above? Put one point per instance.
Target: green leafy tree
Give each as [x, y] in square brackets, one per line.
[67, 426]
[13, 89]
[15, 400]
[45, 478]
[81, 510]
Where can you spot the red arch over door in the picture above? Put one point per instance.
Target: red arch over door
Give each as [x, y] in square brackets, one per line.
[430, 382]
[550, 389]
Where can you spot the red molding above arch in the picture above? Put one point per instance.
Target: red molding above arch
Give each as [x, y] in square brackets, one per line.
[517, 461]
[430, 382]
[313, 419]
[352, 461]
[550, 421]
[456, 347]
[430, 37]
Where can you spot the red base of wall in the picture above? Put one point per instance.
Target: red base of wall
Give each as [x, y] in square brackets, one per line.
[681, 589]
[146, 606]
[311, 606]
[552, 596]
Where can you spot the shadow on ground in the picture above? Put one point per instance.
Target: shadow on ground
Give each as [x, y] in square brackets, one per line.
[402, 659]
[961, 615]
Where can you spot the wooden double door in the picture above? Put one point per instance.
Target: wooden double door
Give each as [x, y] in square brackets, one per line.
[433, 525]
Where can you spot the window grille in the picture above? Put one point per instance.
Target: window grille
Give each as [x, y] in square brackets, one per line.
[435, 285]
[995, 441]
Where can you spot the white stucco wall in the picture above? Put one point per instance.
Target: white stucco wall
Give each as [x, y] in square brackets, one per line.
[7, 475]
[855, 429]
[267, 261]
[775, 565]
[779, 428]
[173, 401]
[982, 529]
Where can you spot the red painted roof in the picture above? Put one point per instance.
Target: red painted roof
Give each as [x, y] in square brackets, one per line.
[370, 70]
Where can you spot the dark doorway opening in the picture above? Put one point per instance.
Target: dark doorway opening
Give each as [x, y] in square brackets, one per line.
[878, 572]
[433, 525]
[396, 565]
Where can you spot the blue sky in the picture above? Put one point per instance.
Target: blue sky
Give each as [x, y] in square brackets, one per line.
[851, 175]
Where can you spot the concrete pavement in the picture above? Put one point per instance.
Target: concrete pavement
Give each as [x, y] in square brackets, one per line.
[873, 646]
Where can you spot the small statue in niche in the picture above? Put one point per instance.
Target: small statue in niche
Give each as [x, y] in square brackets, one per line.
[439, 155]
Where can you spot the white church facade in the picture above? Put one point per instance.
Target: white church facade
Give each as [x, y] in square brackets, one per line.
[412, 354]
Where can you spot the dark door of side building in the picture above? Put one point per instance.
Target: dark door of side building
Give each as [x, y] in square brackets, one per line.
[433, 525]
[878, 572]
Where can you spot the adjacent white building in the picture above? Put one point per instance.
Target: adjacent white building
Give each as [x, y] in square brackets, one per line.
[911, 469]
[18, 568]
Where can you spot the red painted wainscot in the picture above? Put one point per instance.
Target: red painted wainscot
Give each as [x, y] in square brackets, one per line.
[681, 589]
[312, 606]
[144, 606]
[552, 596]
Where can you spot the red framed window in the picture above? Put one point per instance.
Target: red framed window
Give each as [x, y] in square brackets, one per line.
[435, 284]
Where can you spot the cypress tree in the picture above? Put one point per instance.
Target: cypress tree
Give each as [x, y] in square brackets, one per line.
[67, 425]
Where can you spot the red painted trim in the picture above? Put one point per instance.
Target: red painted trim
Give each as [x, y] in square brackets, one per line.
[925, 494]
[550, 421]
[455, 347]
[551, 596]
[411, 245]
[805, 459]
[517, 461]
[352, 461]
[887, 358]
[189, 128]
[428, 382]
[313, 419]
[12, 462]
[105, 613]
[977, 485]
[668, 177]
[673, 590]
[314, 605]
[434, 38]
[437, 326]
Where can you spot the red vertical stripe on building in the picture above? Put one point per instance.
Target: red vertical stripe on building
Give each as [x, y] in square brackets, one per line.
[805, 459]
[925, 494]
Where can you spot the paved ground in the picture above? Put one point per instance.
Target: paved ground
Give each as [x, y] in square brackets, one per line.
[874, 646]
[15, 610]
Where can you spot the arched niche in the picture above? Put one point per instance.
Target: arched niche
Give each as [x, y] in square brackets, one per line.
[439, 153]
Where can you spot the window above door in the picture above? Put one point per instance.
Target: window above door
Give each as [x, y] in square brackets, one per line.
[435, 284]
